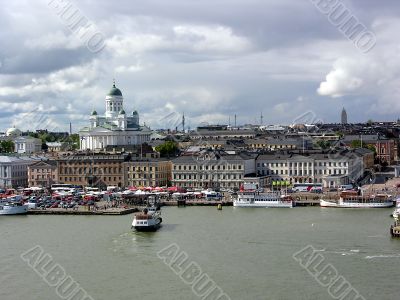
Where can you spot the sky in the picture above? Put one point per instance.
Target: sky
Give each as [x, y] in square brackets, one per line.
[285, 59]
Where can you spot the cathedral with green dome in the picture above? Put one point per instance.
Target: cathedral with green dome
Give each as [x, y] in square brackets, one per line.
[115, 127]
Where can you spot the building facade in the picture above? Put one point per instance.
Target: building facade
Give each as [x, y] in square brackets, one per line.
[386, 151]
[331, 169]
[92, 169]
[43, 173]
[14, 171]
[115, 128]
[27, 144]
[212, 169]
[147, 172]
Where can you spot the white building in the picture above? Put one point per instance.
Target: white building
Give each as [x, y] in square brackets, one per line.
[331, 169]
[14, 171]
[27, 144]
[212, 169]
[115, 128]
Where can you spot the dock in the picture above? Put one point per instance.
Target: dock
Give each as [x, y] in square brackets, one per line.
[308, 202]
[189, 202]
[61, 211]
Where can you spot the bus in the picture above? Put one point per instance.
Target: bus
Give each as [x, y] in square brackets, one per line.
[307, 187]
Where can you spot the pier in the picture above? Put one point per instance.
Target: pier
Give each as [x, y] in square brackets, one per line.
[62, 211]
[197, 202]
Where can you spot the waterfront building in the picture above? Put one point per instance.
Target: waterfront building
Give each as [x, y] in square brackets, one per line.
[43, 173]
[97, 169]
[27, 144]
[332, 168]
[343, 117]
[115, 128]
[368, 157]
[386, 151]
[212, 169]
[147, 172]
[14, 170]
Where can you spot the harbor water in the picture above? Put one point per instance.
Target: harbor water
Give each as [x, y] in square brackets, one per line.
[248, 253]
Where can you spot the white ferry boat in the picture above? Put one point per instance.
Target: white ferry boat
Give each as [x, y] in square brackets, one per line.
[148, 220]
[350, 199]
[13, 208]
[261, 199]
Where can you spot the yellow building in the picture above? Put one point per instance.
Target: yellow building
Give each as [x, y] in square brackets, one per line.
[147, 172]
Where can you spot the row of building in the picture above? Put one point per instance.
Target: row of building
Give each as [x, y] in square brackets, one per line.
[204, 169]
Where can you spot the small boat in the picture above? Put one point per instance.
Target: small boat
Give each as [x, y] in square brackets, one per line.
[350, 199]
[13, 208]
[219, 207]
[148, 220]
[209, 194]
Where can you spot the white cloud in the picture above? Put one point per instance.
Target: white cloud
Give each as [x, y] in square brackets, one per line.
[374, 76]
[345, 78]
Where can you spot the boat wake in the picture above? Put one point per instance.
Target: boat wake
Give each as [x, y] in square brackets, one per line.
[383, 256]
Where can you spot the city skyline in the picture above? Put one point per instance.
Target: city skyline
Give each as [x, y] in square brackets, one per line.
[211, 62]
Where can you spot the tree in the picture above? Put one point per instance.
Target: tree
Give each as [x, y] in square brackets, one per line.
[323, 144]
[7, 146]
[73, 139]
[340, 134]
[355, 144]
[168, 148]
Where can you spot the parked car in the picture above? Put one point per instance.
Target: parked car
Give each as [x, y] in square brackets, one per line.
[71, 205]
[54, 205]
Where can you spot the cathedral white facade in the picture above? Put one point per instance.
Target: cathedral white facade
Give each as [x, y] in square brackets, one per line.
[114, 128]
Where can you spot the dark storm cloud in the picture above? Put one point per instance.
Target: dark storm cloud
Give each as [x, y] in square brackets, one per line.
[44, 61]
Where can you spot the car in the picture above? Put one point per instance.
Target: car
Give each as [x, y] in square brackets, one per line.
[71, 205]
[54, 205]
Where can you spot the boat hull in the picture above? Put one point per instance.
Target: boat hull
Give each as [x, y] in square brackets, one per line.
[262, 204]
[325, 203]
[147, 228]
[151, 224]
[14, 210]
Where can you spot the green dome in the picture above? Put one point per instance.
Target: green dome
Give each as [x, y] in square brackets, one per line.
[122, 112]
[94, 113]
[135, 113]
[114, 91]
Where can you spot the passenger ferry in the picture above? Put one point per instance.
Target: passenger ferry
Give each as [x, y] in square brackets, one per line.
[256, 198]
[350, 199]
[148, 220]
[15, 208]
